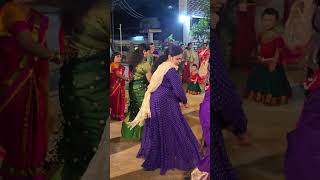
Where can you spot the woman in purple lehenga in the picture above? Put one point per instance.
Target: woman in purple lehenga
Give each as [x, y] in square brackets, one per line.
[227, 113]
[303, 153]
[168, 142]
[203, 167]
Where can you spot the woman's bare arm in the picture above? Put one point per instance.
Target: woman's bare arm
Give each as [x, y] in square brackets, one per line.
[149, 75]
[24, 38]
[119, 75]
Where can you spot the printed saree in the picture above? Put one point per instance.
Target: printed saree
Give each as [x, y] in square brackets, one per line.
[84, 91]
[117, 92]
[137, 89]
[23, 95]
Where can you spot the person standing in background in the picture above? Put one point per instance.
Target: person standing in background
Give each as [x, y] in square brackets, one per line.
[117, 87]
[24, 90]
[189, 58]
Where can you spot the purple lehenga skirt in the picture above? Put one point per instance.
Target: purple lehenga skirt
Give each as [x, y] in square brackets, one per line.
[167, 141]
[204, 114]
[303, 154]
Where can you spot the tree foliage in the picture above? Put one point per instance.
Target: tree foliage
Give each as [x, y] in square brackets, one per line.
[200, 31]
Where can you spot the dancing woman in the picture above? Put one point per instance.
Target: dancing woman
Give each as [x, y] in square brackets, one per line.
[302, 157]
[117, 87]
[84, 84]
[24, 91]
[168, 141]
[227, 113]
[202, 172]
[141, 75]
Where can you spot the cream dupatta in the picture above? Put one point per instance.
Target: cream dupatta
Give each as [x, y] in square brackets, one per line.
[155, 82]
[298, 28]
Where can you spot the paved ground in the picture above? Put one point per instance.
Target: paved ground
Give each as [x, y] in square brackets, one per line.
[268, 127]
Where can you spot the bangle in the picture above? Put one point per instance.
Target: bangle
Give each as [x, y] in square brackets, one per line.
[51, 57]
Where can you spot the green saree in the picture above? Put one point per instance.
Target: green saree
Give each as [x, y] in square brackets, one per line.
[137, 89]
[84, 92]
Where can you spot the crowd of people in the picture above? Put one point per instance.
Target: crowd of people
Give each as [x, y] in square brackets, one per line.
[193, 71]
[156, 89]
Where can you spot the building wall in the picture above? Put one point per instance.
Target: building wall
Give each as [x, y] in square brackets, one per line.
[52, 41]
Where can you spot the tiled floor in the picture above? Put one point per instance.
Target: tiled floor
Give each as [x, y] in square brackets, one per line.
[268, 126]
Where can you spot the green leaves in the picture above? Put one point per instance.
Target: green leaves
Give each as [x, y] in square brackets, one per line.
[200, 31]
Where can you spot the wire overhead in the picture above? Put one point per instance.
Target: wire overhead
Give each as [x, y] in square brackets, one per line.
[126, 7]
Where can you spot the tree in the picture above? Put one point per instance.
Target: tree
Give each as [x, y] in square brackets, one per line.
[200, 31]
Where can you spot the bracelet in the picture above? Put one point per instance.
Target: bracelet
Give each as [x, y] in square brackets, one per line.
[51, 57]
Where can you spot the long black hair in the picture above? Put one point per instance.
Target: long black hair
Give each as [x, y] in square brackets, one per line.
[174, 50]
[138, 56]
[272, 12]
[188, 46]
[73, 12]
[316, 17]
[114, 55]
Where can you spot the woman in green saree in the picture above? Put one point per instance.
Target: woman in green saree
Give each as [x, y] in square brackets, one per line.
[141, 75]
[84, 84]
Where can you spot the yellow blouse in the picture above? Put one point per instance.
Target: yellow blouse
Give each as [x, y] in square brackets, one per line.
[114, 66]
[10, 14]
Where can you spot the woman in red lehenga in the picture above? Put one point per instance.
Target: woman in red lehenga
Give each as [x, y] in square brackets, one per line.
[23, 91]
[245, 42]
[117, 88]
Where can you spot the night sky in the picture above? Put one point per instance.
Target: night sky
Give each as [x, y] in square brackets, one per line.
[148, 8]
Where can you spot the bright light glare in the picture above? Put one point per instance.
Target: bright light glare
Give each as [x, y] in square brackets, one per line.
[183, 18]
[138, 38]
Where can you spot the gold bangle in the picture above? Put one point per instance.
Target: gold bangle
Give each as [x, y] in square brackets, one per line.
[51, 57]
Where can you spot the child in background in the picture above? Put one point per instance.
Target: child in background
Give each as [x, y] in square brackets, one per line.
[268, 83]
[194, 86]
